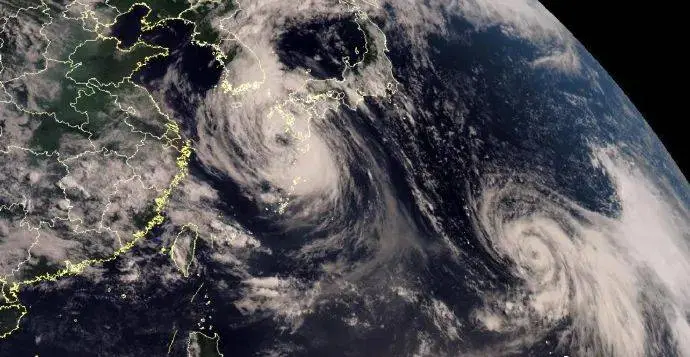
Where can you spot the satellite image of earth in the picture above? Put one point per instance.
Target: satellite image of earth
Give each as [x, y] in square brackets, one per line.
[379, 178]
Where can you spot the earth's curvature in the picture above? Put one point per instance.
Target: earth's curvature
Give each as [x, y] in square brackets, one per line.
[328, 178]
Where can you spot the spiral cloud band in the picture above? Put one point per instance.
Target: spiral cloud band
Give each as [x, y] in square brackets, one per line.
[618, 284]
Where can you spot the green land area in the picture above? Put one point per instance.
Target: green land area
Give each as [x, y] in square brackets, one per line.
[78, 106]
[201, 16]
[9, 318]
[208, 346]
[103, 61]
[160, 9]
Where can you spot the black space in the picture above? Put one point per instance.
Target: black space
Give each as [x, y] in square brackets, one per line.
[641, 45]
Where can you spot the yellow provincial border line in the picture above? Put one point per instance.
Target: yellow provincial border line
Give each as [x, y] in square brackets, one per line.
[22, 310]
[215, 337]
[9, 290]
[172, 341]
[188, 228]
[72, 269]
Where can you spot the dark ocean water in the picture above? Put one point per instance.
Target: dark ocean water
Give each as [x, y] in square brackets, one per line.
[142, 323]
[320, 46]
[503, 113]
[127, 28]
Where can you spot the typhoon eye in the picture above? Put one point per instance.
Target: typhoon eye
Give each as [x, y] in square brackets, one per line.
[341, 178]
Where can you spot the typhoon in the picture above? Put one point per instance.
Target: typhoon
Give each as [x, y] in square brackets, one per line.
[328, 178]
